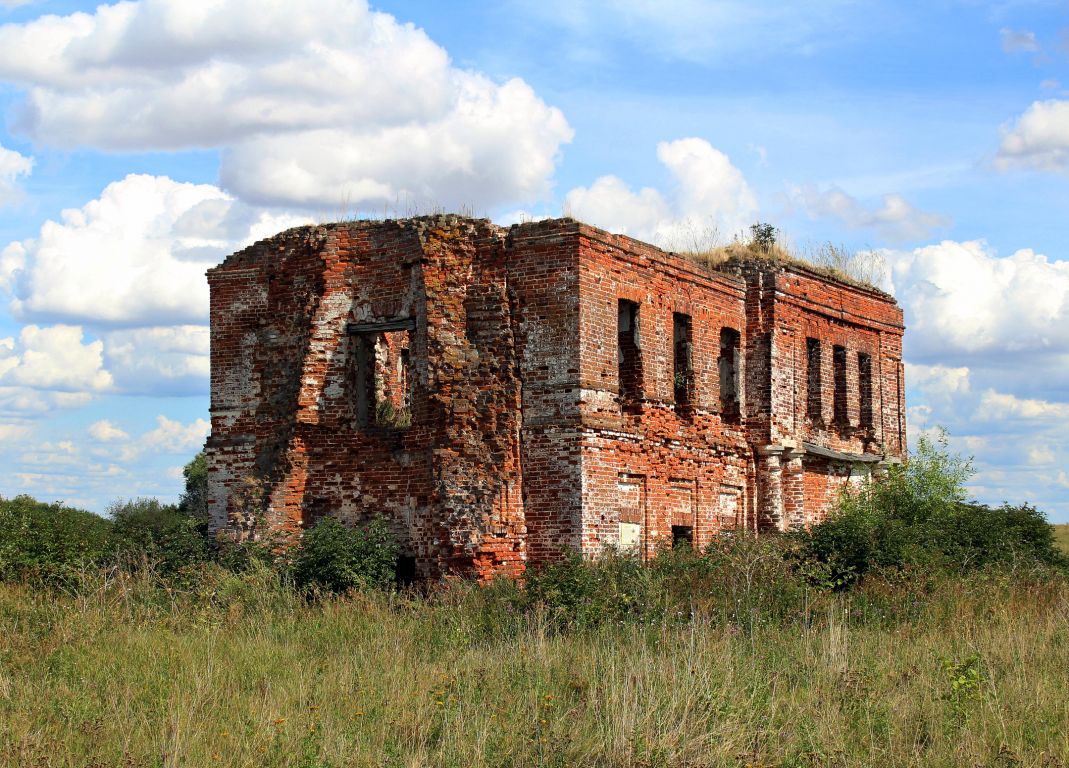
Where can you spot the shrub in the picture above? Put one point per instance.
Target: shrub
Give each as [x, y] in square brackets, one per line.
[161, 534]
[920, 515]
[49, 542]
[335, 558]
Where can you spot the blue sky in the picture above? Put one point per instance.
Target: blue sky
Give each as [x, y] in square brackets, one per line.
[142, 141]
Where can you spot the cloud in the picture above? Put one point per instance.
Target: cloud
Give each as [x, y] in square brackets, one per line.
[333, 106]
[962, 299]
[1038, 140]
[14, 433]
[160, 361]
[12, 166]
[54, 358]
[895, 219]
[694, 30]
[135, 256]
[105, 432]
[1001, 406]
[939, 381]
[710, 194]
[174, 437]
[1018, 42]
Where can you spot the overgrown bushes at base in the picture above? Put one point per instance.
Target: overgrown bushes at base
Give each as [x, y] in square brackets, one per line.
[335, 558]
[919, 515]
[48, 542]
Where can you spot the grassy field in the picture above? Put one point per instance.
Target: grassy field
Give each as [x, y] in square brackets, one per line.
[964, 672]
[1061, 534]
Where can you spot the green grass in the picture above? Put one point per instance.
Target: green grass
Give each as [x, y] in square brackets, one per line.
[1061, 536]
[244, 673]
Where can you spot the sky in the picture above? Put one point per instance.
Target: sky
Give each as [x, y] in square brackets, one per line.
[142, 141]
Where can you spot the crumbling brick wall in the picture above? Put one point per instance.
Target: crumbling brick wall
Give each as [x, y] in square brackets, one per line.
[500, 395]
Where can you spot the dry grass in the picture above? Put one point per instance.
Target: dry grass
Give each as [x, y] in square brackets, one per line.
[255, 677]
[830, 261]
[1061, 536]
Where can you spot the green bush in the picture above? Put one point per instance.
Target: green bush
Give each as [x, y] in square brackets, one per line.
[49, 542]
[334, 558]
[162, 535]
[919, 515]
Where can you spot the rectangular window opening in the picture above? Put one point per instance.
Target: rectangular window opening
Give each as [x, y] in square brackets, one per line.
[864, 382]
[629, 357]
[729, 374]
[839, 401]
[814, 377]
[384, 379]
[682, 536]
[682, 373]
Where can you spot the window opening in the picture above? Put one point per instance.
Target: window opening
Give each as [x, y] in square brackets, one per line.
[384, 379]
[839, 363]
[814, 380]
[682, 374]
[629, 358]
[682, 536]
[864, 382]
[729, 374]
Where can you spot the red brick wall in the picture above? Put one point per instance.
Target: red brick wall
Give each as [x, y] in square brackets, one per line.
[680, 458]
[520, 444]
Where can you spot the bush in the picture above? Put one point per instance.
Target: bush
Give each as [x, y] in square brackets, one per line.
[49, 542]
[161, 534]
[335, 558]
[919, 515]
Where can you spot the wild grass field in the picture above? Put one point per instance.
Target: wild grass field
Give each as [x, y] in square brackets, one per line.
[912, 628]
[1061, 536]
[245, 672]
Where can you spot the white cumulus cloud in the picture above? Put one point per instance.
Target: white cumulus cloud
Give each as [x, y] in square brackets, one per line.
[135, 256]
[1038, 140]
[174, 437]
[105, 432]
[962, 298]
[710, 194]
[12, 167]
[334, 105]
[895, 218]
[160, 361]
[54, 358]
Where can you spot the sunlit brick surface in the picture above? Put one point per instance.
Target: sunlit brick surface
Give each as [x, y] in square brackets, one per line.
[464, 381]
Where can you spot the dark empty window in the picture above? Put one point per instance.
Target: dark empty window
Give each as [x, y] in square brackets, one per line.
[839, 401]
[729, 373]
[682, 374]
[864, 385]
[383, 378]
[629, 359]
[814, 380]
[682, 536]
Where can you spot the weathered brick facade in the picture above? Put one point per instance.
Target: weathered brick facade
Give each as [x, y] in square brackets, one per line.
[501, 394]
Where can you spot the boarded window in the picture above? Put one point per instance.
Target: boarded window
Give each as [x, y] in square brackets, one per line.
[630, 537]
[814, 380]
[383, 379]
[839, 402]
[629, 357]
[864, 384]
[729, 374]
[682, 373]
[729, 509]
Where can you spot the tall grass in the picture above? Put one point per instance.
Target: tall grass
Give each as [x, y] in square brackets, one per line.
[243, 671]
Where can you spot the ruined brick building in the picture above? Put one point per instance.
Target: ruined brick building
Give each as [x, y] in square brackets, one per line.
[499, 394]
